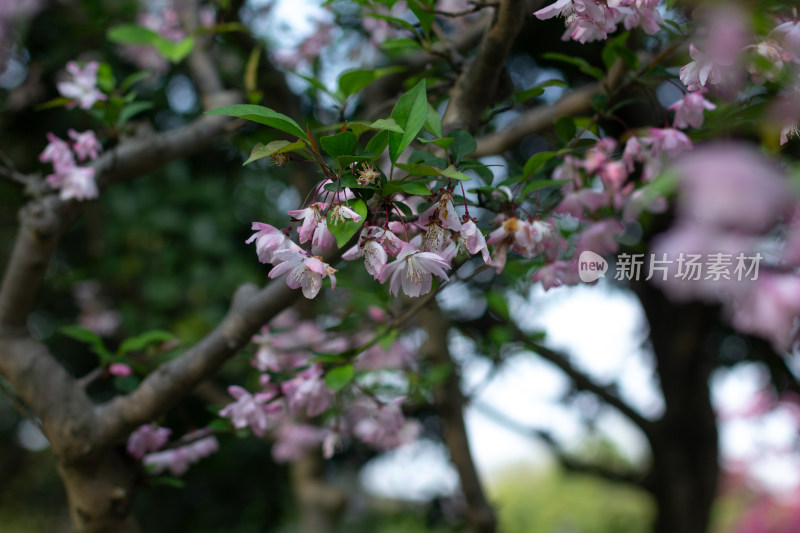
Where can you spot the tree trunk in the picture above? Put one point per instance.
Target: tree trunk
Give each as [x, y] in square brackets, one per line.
[100, 493]
[685, 468]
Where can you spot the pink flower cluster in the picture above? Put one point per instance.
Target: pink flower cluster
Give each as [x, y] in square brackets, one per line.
[81, 86]
[72, 179]
[295, 409]
[147, 441]
[732, 201]
[594, 20]
[438, 235]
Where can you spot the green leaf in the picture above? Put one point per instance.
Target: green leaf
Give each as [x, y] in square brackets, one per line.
[131, 110]
[384, 124]
[403, 208]
[91, 338]
[498, 304]
[433, 123]
[262, 115]
[134, 34]
[353, 81]
[275, 147]
[168, 481]
[344, 231]
[423, 13]
[441, 143]
[340, 144]
[347, 160]
[143, 340]
[338, 378]
[615, 48]
[566, 129]
[394, 45]
[105, 78]
[452, 173]
[129, 81]
[415, 187]
[410, 112]
[536, 162]
[316, 83]
[538, 90]
[579, 62]
[378, 143]
[541, 184]
[462, 146]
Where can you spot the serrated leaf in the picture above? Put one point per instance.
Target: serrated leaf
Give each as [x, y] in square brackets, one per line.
[262, 115]
[410, 112]
[340, 144]
[344, 231]
[279, 146]
[535, 162]
[338, 378]
[463, 145]
[143, 340]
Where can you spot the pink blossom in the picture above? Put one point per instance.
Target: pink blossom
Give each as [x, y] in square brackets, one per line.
[560, 8]
[315, 226]
[771, 309]
[120, 370]
[668, 141]
[268, 241]
[340, 213]
[643, 13]
[557, 273]
[701, 71]
[769, 63]
[578, 203]
[600, 237]
[82, 87]
[788, 35]
[85, 144]
[58, 153]
[371, 249]
[308, 392]
[384, 426]
[689, 110]
[474, 240]
[147, 438]
[732, 186]
[295, 440]
[445, 212]
[304, 272]
[399, 355]
[178, 460]
[414, 270]
[76, 182]
[250, 410]
[331, 197]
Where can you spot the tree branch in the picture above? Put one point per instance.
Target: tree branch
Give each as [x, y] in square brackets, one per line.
[569, 463]
[449, 404]
[476, 87]
[583, 382]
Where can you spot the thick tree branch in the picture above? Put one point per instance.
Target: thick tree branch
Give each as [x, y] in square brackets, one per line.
[583, 382]
[450, 407]
[475, 88]
[570, 463]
